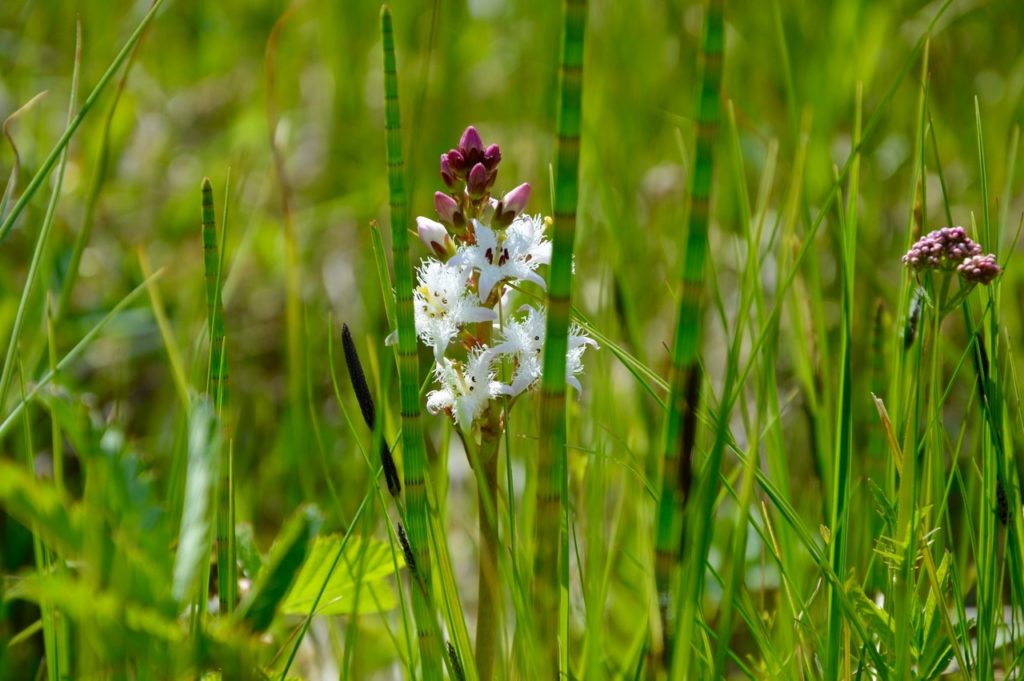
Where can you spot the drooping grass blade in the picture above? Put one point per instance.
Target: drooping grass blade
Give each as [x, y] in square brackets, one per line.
[414, 455]
[551, 567]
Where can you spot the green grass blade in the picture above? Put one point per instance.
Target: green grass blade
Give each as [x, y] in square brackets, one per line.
[843, 460]
[37, 180]
[551, 559]
[200, 481]
[41, 241]
[217, 389]
[414, 455]
[72, 355]
[681, 423]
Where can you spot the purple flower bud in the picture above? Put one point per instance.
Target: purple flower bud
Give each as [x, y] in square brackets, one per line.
[447, 175]
[477, 182]
[446, 207]
[979, 269]
[435, 237]
[515, 200]
[941, 249]
[492, 156]
[470, 142]
[457, 162]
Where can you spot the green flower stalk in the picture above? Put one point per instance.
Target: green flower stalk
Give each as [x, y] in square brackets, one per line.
[486, 249]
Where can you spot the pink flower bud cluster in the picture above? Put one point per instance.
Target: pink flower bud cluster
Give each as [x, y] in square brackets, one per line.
[950, 249]
[979, 269]
[471, 163]
[469, 171]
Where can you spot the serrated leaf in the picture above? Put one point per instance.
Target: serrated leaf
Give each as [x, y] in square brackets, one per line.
[364, 562]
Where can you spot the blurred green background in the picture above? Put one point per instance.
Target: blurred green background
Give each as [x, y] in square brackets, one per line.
[196, 104]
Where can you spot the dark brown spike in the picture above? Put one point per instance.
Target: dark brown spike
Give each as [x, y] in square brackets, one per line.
[358, 378]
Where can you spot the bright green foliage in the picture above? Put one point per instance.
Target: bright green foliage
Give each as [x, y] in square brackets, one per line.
[364, 564]
[855, 451]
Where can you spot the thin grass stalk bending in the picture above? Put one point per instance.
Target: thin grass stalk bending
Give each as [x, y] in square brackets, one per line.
[551, 558]
[681, 423]
[414, 455]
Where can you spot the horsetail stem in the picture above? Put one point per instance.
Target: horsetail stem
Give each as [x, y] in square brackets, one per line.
[408, 366]
[681, 424]
[551, 561]
[365, 400]
[217, 389]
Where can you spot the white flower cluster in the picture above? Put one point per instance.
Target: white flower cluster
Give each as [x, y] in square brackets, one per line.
[484, 247]
[453, 298]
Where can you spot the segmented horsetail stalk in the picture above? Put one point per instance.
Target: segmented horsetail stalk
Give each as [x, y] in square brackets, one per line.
[681, 424]
[365, 399]
[217, 389]
[551, 560]
[414, 458]
[217, 379]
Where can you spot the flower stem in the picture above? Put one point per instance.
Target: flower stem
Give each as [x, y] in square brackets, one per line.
[489, 589]
[488, 584]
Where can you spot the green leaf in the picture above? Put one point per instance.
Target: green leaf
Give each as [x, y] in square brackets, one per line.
[200, 479]
[365, 563]
[40, 506]
[279, 573]
[248, 553]
[88, 606]
[878, 621]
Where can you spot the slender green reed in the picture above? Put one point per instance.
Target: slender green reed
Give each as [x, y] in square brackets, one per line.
[24, 306]
[906, 395]
[414, 455]
[551, 560]
[99, 176]
[37, 180]
[843, 461]
[681, 422]
[217, 389]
